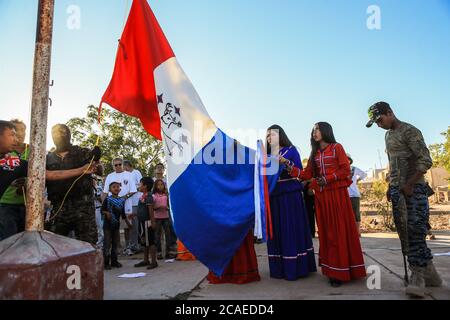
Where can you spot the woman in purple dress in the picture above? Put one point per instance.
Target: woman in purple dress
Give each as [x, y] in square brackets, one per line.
[291, 251]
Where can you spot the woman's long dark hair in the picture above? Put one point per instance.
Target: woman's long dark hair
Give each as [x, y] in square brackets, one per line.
[327, 135]
[284, 140]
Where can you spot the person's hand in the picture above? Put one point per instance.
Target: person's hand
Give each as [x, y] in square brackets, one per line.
[19, 183]
[96, 153]
[126, 196]
[321, 181]
[108, 216]
[388, 195]
[408, 189]
[286, 162]
[89, 168]
[283, 160]
[47, 204]
[153, 222]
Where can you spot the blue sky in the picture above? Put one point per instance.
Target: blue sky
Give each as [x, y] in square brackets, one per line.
[255, 63]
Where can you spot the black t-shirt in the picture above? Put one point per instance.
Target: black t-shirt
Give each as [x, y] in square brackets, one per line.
[11, 168]
[145, 201]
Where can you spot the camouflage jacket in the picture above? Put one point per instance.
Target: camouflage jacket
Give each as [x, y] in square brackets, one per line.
[407, 154]
[77, 157]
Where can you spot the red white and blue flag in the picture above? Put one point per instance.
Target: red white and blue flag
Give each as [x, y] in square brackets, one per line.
[217, 193]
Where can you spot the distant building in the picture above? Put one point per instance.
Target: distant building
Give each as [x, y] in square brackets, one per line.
[375, 175]
[438, 179]
[380, 174]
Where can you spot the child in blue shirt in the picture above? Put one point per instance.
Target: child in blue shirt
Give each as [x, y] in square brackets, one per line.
[113, 208]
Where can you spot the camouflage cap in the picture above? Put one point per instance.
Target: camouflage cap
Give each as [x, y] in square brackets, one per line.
[375, 112]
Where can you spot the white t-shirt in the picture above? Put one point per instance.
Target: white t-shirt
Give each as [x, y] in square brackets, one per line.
[137, 179]
[127, 185]
[358, 174]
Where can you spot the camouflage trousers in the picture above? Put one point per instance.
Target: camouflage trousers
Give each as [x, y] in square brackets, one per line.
[77, 216]
[416, 211]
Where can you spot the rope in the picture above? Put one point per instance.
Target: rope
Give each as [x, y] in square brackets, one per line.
[23, 187]
[24, 196]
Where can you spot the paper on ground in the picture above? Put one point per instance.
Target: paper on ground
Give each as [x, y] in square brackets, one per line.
[133, 275]
[442, 254]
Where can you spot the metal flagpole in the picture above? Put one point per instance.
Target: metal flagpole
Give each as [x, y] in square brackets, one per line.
[39, 115]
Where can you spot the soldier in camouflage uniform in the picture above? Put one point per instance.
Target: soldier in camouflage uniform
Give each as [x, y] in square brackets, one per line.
[409, 160]
[78, 210]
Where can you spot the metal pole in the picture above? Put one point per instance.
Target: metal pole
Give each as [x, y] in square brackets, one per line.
[406, 279]
[39, 115]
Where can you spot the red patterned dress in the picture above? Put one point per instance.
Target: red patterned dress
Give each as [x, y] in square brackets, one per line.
[243, 268]
[340, 254]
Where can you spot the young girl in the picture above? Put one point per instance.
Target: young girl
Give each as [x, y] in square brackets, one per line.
[162, 221]
[291, 251]
[340, 254]
[146, 218]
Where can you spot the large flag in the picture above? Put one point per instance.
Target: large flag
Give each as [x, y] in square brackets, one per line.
[212, 179]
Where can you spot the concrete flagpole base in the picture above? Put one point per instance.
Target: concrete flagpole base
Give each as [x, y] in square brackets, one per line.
[46, 266]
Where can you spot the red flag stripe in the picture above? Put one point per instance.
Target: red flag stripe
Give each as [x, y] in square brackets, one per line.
[142, 48]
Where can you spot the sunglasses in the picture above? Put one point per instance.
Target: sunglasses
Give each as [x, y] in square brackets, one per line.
[118, 165]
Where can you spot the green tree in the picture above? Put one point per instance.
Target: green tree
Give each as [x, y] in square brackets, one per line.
[120, 136]
[440, 152]
[376, 197]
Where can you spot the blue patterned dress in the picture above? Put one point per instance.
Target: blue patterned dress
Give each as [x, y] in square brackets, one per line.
[291, 251]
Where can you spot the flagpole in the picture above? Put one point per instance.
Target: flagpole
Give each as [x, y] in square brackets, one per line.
[39, 116]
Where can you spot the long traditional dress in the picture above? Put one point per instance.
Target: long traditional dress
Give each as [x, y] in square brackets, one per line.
[243, 268]
[291, 251]
[340, 254]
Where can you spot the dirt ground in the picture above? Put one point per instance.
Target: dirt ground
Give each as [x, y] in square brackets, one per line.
[374, 223]
[371, 221]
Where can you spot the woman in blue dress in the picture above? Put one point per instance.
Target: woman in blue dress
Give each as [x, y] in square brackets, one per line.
[290, 251]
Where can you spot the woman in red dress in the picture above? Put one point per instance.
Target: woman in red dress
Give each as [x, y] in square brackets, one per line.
[243, 268]
[328, 169]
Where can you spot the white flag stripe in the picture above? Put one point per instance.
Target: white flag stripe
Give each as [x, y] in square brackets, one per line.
[186, 126]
